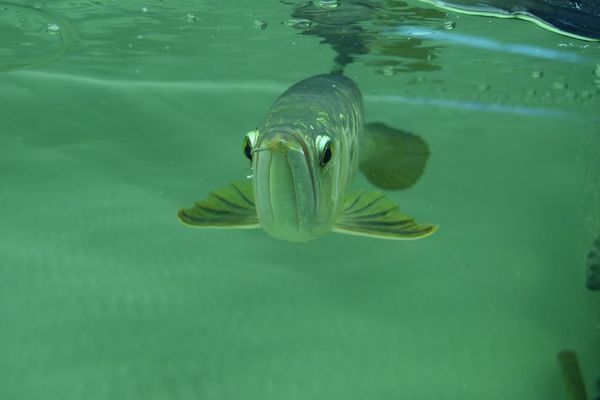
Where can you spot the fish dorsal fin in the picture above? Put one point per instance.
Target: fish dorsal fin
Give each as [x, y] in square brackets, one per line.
[373, 214]
[231, 206]
[393, 159]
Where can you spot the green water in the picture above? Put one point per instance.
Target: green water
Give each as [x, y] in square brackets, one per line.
[132, 110]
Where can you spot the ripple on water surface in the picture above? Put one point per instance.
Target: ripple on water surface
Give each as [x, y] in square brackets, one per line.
[32, 36]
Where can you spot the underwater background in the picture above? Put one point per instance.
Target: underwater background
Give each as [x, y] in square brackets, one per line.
[114, 114]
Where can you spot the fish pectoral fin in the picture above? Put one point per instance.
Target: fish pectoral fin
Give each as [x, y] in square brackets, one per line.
[373, 214]
[394, 159]
[231, 206]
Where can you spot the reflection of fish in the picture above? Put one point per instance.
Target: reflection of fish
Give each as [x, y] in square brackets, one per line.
[575, 18]
[304, 156]
[340, 27]
[593, 266]
[353, 28]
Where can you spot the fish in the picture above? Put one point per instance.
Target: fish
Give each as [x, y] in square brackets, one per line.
[574, 18]
[304, 156]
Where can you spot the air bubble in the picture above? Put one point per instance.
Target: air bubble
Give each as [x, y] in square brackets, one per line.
[299, 23]
[258, 24]
[537, 74]
[388, 70]
[144, 9]
[53, 29]
[449, 25]
[327, 4]
[559, 86]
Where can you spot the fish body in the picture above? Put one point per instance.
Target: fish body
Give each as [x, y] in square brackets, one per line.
[304, 156]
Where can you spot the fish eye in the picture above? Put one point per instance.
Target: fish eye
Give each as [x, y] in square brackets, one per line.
[247, 149]
[325, 148]
[248, 143]
[326, 154]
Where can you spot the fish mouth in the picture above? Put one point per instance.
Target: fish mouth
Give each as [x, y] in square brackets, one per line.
[285, 188]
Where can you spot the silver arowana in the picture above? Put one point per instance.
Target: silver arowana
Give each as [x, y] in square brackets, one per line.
[304, 156]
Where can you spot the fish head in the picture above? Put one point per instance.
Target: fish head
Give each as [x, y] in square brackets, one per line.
[297, 194]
